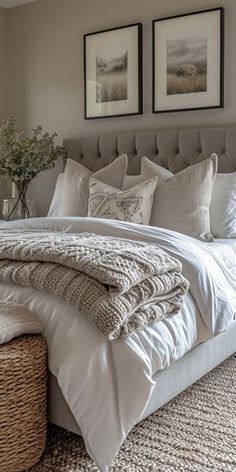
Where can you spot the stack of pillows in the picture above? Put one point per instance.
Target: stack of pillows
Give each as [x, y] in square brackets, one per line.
[197, 201]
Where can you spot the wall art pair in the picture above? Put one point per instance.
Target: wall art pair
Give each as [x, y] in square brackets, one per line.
[188, 66]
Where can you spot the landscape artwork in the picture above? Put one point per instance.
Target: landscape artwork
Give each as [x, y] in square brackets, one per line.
[187, 62]
[112, 72]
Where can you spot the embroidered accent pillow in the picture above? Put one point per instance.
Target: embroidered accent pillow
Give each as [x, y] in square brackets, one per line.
[76, 182]
[133, 205]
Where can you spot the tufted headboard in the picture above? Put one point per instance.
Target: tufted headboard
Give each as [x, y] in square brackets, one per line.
[173, 149]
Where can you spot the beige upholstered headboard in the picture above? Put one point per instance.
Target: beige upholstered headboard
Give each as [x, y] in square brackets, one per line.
[173, 149]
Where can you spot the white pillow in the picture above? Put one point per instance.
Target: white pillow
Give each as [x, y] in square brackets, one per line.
[223, 206]
[56, 203]
[181, 201]
[133, 205]
[76, 181]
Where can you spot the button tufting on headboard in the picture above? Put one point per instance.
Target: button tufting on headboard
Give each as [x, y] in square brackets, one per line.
[173, 149]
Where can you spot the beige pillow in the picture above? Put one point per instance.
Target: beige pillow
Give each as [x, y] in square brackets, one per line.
[76, 182]
[132, 180]
[148, 170]
[133, 205]
[181, 201]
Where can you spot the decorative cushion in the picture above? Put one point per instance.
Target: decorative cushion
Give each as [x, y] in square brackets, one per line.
[132, 180]
[181, 201]
[223, 206]
[133, 205]
[76, 181]
[148, 170]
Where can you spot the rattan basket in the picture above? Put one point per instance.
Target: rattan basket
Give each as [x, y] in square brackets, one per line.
[23, 381]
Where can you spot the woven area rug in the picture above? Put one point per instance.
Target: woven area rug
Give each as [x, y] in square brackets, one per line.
[195, 432]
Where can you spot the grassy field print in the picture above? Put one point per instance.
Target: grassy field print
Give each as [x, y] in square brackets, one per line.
[112, 72]
[187, 62]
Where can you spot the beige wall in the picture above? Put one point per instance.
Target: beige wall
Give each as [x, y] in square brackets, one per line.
[4, 188]
[3, 63]
[46, 67]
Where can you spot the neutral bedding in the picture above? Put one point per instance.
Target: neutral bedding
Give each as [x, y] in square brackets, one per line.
[225, 248]
[107, 384]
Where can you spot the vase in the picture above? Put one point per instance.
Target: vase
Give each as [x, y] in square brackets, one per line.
[19, 206]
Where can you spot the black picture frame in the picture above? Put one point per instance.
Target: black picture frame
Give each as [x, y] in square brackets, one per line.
[130, 86]
[160, 97]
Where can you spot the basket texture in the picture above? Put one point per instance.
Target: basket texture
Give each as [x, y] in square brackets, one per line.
[23, 387]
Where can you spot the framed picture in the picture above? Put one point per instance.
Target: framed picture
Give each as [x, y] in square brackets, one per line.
[113, 72]
[188, 61]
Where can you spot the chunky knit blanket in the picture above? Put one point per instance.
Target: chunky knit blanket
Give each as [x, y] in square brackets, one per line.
[16, 320]
[120, 285]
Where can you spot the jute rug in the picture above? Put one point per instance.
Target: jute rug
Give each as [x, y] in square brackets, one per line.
[195, 432]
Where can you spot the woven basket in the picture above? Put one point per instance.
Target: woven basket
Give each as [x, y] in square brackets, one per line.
[23, 381]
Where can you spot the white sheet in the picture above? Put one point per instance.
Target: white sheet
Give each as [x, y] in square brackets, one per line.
[108, 384]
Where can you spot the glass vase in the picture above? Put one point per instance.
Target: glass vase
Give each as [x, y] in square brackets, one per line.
[19, 207]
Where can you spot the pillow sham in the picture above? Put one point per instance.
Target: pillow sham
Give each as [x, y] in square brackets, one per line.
[223, 206]
[133, 205]
[148, 170]
[131, 180]
[56, 203]
[181, 201]
[76, 183]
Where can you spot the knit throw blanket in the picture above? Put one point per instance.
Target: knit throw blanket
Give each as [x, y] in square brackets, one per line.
[16, 320]
[120, 285]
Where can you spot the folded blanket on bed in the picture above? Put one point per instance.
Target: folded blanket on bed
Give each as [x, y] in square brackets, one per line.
[16, 320]
[120, 285]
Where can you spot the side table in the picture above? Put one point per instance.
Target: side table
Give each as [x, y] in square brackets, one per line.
[23, 387]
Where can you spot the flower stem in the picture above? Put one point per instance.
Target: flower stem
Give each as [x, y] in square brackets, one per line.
[21, 201]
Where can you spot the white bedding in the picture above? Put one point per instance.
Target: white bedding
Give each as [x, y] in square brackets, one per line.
[108, 384]
[227, 249]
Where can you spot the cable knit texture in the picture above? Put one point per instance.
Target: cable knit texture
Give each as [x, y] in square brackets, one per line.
[120, 285]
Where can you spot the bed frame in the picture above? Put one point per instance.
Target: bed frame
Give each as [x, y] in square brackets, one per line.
[175, 150]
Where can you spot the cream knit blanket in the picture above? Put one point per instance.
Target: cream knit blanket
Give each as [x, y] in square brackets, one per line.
[16, 320]
[120, 285]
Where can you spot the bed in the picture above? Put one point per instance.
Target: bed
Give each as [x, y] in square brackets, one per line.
[177, 362]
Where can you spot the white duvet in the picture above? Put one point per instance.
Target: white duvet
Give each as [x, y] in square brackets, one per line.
[107, 385]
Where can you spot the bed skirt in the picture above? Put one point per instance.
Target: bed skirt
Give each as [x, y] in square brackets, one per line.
[169, 382]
